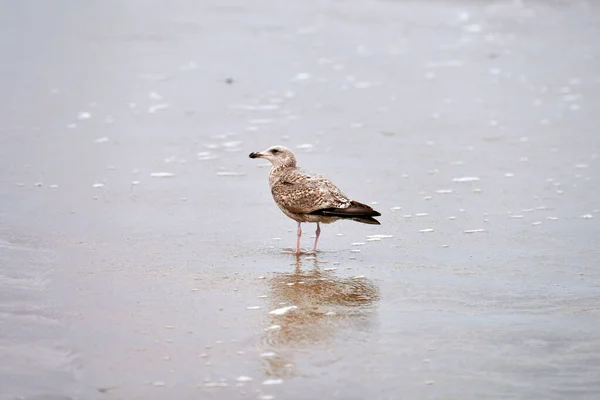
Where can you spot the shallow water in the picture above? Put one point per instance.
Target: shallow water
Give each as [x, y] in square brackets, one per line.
[141, 254]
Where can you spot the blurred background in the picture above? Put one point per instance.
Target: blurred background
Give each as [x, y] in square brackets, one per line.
[141, 253]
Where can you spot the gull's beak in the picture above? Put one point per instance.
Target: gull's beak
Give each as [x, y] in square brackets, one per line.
[256, 155]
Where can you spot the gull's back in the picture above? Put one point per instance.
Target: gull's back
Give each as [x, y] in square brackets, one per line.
[301, 191]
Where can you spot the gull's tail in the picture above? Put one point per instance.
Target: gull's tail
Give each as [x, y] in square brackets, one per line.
[358, 212]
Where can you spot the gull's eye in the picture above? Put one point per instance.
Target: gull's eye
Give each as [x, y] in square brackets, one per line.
[274, 151]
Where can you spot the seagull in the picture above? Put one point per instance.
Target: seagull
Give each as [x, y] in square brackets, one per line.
[305, 196]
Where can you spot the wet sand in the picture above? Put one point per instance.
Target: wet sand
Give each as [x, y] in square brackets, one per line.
[141, 253]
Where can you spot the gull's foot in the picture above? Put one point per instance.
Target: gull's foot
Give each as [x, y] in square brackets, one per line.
[302, 252]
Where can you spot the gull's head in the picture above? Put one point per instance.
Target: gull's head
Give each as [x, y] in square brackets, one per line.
[279, 156]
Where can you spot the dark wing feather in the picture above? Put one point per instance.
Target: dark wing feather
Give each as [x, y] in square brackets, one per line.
[356, 211]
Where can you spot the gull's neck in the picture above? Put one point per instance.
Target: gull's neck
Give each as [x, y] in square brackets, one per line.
[277, 171]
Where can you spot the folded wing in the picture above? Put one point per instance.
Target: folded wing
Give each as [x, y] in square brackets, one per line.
[303, 192]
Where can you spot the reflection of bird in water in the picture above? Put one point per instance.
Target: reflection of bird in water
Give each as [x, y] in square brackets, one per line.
[325, 304]
[308, 197]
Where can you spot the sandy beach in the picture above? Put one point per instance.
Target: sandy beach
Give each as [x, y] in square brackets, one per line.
[142, 255]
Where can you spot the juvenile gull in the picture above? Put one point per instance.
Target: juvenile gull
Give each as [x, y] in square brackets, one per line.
[308, 197]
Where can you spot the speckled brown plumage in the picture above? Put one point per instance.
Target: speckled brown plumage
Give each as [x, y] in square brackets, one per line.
[308, 197]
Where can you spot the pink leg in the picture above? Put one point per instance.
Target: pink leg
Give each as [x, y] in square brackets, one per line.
[318, 232]
[299, 235]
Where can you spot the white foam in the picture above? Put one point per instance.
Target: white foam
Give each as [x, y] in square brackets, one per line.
[474, 230]
[283, 310]
[226, 173]
[260, 121]
[155, 96]
[473, 28]
[302, 76]
[233, 143]
[380, 236]
[157, 107]
[363, 85]
[215, 384]
[273, 328]
[466, 179]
